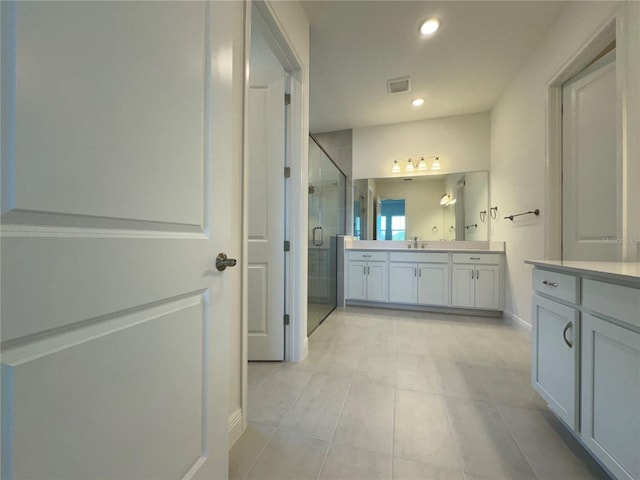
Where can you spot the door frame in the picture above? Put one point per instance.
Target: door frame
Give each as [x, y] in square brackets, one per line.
[296, 154]
[612, 29]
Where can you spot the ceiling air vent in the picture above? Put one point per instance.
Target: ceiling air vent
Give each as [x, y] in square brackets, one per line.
[399, 85]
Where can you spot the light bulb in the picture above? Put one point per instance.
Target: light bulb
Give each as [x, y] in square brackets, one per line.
[396, 167]
[436, 164]
[422, 165]
[409, 166]
[430, 26]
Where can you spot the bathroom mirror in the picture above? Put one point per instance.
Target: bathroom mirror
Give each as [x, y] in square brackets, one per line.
[448, 207]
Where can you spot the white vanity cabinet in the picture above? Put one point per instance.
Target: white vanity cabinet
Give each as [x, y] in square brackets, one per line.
[476, 281]
[586, 355]
[610, 393]
[367, 276]
[419, 278]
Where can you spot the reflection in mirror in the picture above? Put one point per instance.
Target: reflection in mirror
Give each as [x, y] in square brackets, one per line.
[434, 207]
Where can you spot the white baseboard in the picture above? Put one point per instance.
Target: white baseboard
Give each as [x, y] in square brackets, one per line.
[235, 426]
[517, 323]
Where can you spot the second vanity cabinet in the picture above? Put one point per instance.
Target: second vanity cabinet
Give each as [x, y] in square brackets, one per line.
[416, 279]
[419, 278]
[586, 360]
[477, 280]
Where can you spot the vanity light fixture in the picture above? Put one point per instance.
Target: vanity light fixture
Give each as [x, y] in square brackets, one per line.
[422, 165]
[430, 26]
[436, 164]
[396, 167]
[409, 167]
[417, 102]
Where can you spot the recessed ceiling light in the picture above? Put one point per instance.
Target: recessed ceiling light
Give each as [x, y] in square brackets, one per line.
[429, 26]
[417, 102]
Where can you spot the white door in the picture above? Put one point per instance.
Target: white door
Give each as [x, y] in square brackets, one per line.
[591, 184]
[402, 282]
[357, 285]
[266, 160]
[433, 284]
[377, 281]
[119, 153]
[487, 286]
[554, 357]
[463, 285]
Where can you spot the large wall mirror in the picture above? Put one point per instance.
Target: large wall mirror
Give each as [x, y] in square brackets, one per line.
[446, 207]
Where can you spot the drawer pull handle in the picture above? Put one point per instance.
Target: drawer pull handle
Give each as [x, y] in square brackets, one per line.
[564, 335]
[366, 256]
[551, 284]
[474, 258]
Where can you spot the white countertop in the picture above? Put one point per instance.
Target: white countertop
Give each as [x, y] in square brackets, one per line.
[424, 246]
[629, 271]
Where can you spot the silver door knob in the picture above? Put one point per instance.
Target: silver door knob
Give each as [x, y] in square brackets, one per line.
[222, 262]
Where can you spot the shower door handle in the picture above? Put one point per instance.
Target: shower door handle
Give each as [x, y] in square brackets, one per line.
[317, 243]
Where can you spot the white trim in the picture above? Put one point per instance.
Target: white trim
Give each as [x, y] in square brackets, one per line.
[236, 426]
[517, 323]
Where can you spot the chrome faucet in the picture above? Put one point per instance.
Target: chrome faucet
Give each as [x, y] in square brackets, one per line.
[415, 242]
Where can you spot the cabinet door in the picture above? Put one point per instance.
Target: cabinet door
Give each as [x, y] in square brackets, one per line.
[357, 286]
[433, 284]
[488, 286]
[554, 351]
[462, 286]
[611, 395]
[402, 282]
[377, 281]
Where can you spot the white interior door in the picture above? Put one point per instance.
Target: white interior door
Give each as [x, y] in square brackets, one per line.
[266, 160]
[115, 322]
[591, 179]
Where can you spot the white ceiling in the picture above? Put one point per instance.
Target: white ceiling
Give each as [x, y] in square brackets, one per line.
[356, 46]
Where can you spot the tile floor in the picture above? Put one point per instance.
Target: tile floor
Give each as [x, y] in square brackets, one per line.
[385, 394]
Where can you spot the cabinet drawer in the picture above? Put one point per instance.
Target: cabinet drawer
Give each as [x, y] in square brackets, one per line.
[485, 258]
[368, 256]
[419, 257]
[616, 301]
[558, 285]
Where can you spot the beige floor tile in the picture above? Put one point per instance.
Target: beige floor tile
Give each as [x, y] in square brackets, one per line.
[258, 371]
[341, 361]
[509, 387]
[552, 455]
[410, 470]
[349, 463]
[417, 372]
[315, 413]
[422, 432]
[290, 456]
[269, 401]
[366, 421]
[246, 450]
[311, 361]
[326, 332]
[377, 366]
[459, 379]
[485, 444]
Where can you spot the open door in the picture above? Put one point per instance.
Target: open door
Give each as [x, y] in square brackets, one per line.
[118, 166]
[266, 212]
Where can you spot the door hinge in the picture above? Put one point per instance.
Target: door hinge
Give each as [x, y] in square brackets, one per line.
[286, 319]
[287, 245]
[287, 172]
[287, 98]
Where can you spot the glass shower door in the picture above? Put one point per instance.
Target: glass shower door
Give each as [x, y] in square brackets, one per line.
[327, 195]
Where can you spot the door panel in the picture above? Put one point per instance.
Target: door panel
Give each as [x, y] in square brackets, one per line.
[357, 288]
[433, 284]
[377, 281]
[266, 218]
[488, 286]
[463, 286]
[402, 282]
[115, 322]
[592, 192]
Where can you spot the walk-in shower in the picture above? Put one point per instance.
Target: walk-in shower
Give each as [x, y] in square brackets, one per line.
[327, 190]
